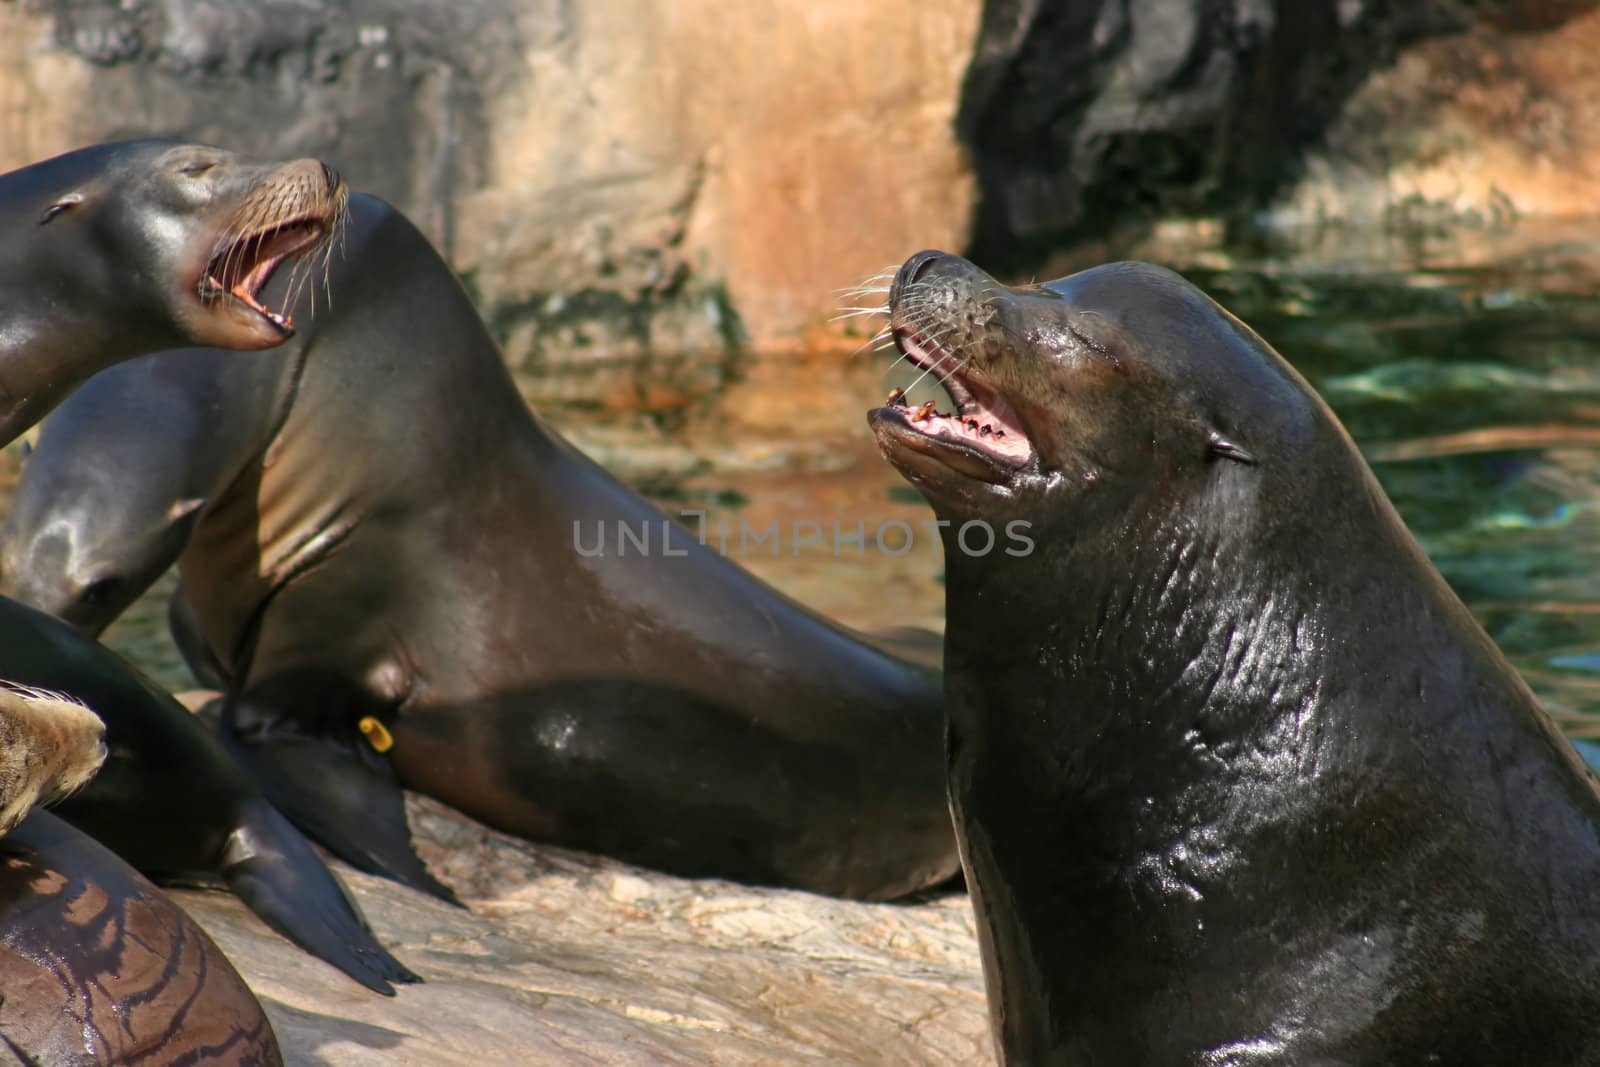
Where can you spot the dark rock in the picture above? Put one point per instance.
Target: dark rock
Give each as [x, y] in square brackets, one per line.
[1081, 116]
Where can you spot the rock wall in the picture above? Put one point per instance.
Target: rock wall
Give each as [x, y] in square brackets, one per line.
[609, 176]
[1089, 113]
[1086, 117]
[1479, 129]
[614, 178]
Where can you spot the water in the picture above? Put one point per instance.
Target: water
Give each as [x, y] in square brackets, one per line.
[1475, 392]
[1474, 388]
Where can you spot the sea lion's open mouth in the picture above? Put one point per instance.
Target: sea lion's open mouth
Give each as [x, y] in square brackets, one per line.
[982, 438]
[242, 268]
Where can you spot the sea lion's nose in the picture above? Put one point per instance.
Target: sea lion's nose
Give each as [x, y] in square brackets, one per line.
[912, 270]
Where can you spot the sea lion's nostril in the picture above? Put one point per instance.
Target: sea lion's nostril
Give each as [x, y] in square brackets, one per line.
[912, 270]
[918, 265]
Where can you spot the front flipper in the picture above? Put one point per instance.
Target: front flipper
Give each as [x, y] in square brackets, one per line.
[172, 802]
[274, 871]
[346, 799]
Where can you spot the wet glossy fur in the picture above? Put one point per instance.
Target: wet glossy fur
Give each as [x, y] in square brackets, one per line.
[100, 262]
[1238, 778]
[97, 966]
[399, 540]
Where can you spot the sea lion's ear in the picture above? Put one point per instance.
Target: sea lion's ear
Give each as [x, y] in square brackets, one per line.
[66, 203]
[1221, 446]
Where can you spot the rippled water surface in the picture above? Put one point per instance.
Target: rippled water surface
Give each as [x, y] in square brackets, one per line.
[1474, 389]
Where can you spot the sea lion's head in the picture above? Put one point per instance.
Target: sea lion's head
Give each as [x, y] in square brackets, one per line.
[121, 249]
[1088, 396]
[50, 746]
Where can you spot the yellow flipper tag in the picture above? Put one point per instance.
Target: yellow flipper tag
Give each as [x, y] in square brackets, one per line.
[377, 734]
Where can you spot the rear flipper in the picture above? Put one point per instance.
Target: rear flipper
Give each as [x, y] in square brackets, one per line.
[346, 799]
[274, 871]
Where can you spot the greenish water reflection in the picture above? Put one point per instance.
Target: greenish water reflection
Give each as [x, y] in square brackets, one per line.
[1513, 523]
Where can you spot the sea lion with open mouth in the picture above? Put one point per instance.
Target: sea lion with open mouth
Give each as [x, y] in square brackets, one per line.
[136, 246]
[111, 252]
[1237, 778]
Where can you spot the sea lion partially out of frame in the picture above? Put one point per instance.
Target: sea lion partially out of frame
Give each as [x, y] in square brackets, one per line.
[111, 252]
[1238, 779]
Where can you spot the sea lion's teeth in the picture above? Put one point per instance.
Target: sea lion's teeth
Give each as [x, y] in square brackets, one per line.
[972, 424]
[924, 412]
[999, 433]
[986, 431]
[897, 397]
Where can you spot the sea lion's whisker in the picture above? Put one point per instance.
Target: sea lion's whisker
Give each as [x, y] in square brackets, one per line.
[874, 342]
[933, 369]
[885, 274]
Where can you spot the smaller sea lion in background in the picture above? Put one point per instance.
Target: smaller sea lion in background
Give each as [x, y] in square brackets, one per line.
[98, 966]
[119, 249]
[121, 473]
[111, 252]
[50, 745]
[1238, 778]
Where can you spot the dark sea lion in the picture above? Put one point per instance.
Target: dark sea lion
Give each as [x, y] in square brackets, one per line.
[121, 472]
[120, 249]
[97, 966]
[1238, 779]
[174, 804]
[113, 251]
[419, 611]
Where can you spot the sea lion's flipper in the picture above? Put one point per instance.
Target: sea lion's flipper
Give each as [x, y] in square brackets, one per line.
[350, 805]
[275, 872]
[190, 639]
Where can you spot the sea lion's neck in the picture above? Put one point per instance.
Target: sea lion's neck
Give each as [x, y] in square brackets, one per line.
[1154, 737]
[43, 347]
[1165, 644]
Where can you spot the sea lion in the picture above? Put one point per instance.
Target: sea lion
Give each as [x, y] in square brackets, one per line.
[98, 966]
[429, 609]
[120, 249]
[114, 251]
[50, 745]
[119, 475]
[1238, 779]
[173, 803]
